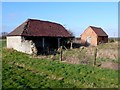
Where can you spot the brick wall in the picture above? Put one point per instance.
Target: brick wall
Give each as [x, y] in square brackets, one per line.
[89, 35]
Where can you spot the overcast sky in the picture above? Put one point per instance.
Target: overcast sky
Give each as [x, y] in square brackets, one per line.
[76, 16]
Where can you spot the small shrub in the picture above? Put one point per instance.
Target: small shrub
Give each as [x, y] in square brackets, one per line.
[111, 40]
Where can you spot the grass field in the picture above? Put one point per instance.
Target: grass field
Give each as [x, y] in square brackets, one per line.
[22, 71]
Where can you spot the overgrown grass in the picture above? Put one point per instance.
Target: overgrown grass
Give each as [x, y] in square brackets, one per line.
[107, 52]
[113, 39]
[2, 43]
[80, 54]
[22, 71]
[112, 45]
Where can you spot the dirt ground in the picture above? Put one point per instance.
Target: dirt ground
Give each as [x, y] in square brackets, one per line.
[110, 65]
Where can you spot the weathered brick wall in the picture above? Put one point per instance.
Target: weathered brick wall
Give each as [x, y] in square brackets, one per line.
[89, 33]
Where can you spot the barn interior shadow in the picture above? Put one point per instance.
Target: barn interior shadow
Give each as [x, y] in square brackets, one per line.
[76, 45]
[48, 49]
[50, 46]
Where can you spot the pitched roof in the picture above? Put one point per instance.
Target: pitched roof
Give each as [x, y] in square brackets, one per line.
[32, 27]
[99, 31]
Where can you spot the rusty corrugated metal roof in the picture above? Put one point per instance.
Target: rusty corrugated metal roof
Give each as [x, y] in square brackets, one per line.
[99, 31]
[33, 27]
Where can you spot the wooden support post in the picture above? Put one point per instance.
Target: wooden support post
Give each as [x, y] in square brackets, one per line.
[61, 53]
[43, 45]
[58, 42]
[71, 45]
[43, 42]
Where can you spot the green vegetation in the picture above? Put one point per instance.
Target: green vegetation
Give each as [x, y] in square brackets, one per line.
[108, 46]
[113, 39]
[22, 71]
[0, 65]
[2, 43]
[105, 52]
[78, 56]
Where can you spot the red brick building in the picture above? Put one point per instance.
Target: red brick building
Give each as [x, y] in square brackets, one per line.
[93, 36]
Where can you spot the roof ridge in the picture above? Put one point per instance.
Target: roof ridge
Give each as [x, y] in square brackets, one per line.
[43, 21]
[94, 27]
[34, 27]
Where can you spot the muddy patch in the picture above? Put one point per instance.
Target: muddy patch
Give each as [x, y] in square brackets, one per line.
[72, 60]
[110, 65]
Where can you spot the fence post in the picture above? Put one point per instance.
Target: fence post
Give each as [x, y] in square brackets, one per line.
[95, 56]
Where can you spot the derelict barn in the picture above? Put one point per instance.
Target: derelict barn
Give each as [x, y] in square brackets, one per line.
[37, 36]
[93, 36]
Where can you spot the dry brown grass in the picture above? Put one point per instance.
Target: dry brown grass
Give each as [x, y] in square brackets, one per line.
[105, 52]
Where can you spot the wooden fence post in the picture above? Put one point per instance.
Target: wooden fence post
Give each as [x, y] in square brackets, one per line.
[95, 56]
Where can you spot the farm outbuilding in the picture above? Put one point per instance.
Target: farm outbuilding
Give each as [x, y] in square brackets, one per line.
[93, 36]
[38, 36]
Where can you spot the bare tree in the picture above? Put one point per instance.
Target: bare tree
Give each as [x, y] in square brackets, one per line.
[71, 40]
[71, 33]
[3, 35]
